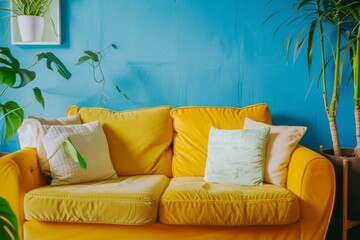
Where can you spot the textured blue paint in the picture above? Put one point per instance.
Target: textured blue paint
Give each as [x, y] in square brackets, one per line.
[181, 52]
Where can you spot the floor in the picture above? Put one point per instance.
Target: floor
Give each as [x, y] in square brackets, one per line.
[334, 232]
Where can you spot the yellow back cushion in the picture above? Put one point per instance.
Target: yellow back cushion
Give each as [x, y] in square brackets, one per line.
[139, 140]
[192, 126]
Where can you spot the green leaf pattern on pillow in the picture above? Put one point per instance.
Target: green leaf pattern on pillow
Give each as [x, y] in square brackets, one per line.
[236, 156]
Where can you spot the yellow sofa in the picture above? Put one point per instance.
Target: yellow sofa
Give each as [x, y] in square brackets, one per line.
[159, 155]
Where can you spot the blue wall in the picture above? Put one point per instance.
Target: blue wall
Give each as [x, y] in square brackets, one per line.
[181, 52]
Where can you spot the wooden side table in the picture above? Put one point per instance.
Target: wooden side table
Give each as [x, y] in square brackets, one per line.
[346, 224]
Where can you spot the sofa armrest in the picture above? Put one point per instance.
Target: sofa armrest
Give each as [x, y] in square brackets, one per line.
[312, 178]
[19, 174]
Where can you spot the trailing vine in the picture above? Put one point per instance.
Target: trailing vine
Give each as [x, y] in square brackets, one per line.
[94, 60]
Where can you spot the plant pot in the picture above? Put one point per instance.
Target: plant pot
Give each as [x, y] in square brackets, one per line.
[353, 182]
[31, 28]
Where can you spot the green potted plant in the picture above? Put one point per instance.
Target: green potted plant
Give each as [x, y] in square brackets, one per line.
[30, 17]
[314, 23]
[354, 49]
[322, 17]
[14, 77]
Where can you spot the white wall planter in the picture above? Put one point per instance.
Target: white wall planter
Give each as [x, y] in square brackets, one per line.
[31, 28]
[51, 30]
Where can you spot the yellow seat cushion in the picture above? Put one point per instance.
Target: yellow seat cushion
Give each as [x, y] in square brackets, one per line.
[192, 127]
[126, 200]
[191, 201]
[139, 140]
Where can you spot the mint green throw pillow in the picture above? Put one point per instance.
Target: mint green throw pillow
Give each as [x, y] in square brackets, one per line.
[236, 156]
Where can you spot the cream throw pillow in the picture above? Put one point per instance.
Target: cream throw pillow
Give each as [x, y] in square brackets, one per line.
[29, 136]
[89, 139]
[236, 156]
[281, 144]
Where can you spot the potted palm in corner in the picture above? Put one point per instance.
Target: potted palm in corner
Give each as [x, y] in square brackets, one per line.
[332, 26]
[30, 17]
[354, 48]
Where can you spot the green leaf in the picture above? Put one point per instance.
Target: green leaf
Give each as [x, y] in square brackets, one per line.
[126, 97]
[52, 59]
[39, 97]
[311, 85]
[118, 89]
[288, 45]
[8, 222]
[310, 45]
[7, 53]
[73, 153]
[5, 61]
[82, 60]
[271, 16]
[11, 68]
[303, 3]
[92, 55]
[268, 2]
[26, 77]
[299, 43]
[14, 115]
[8, 76]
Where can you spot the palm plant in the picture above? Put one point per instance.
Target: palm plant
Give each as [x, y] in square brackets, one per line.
[354, 49]
[323, 17]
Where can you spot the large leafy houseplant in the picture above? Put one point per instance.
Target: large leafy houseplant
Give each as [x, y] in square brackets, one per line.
[14, 77]
[8, 222]
[313, 24]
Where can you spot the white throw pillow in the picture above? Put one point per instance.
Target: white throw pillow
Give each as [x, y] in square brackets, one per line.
[236, 156]
[29, 136]
[282, 142]
[90, 141]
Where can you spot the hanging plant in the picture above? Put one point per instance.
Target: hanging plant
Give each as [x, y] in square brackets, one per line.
[94, 59]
